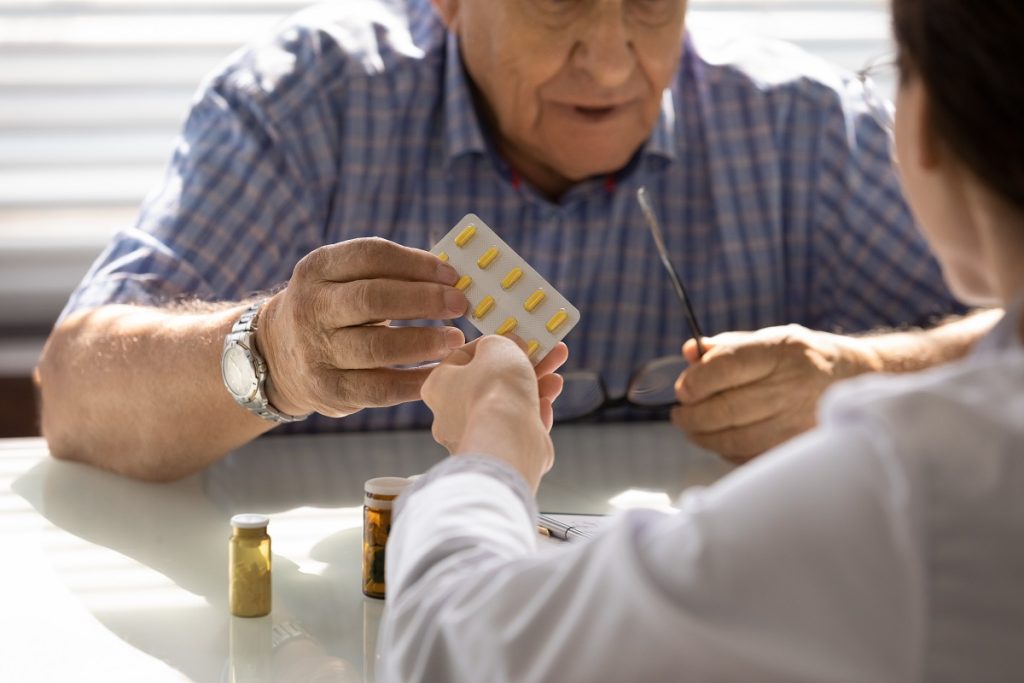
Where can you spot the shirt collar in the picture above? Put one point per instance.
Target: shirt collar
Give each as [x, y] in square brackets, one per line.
[662, 142]
[464, 133]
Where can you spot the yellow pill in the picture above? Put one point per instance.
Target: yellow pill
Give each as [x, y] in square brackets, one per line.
[531, 348]
[484, 307]
[487, 258]
[464, 282]
[557, 320]
[465, 236]
[443, 256]
[507, 326]
[512, 278]
[534, 300]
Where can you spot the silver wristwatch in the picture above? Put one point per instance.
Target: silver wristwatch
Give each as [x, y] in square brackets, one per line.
[245, 372]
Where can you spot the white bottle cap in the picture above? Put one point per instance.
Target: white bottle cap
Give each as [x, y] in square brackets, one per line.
[383, 486]
[250, 521]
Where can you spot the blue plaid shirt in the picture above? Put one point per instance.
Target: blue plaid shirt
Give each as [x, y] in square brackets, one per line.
[775, 189]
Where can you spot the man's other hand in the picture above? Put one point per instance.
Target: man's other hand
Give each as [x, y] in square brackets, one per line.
[326, 337]
[754, 390]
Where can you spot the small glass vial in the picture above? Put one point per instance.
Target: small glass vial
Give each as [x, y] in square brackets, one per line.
[380, 494]
[249, 566]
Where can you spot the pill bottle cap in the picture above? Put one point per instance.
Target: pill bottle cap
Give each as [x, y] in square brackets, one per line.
[380, 487]
[250, 521]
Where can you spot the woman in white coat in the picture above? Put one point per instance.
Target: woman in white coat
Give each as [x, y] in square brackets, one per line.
[886, 544]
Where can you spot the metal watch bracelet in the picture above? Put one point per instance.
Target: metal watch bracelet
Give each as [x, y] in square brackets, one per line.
[243, 333]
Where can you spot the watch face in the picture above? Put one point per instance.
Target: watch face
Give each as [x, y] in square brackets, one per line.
[239, 376]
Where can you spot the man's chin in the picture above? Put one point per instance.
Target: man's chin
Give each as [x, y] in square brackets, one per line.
[589, 165]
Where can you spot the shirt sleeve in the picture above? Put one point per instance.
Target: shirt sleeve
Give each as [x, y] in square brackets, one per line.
[872, 267]
[243, 197]
[800, 566]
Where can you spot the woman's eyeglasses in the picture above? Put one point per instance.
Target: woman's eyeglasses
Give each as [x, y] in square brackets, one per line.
[652, 386]
[883, 69]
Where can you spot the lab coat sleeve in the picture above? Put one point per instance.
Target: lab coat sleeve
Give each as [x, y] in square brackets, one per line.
[800, 566]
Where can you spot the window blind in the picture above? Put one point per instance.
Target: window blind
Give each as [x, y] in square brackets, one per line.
[92, 94]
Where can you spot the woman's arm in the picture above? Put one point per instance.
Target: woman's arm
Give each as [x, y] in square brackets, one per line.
[801, 566]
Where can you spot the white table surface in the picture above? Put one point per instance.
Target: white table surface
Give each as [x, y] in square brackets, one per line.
[103, 578]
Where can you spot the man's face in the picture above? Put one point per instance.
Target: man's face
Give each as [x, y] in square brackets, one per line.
[573, 87]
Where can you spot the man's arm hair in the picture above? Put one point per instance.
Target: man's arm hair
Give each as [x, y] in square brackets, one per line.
[912, 350]
[138, 390]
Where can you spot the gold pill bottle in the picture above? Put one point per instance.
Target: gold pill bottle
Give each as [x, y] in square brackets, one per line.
[249, 566]
[378, 499]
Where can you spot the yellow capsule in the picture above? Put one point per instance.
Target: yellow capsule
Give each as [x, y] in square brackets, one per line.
[507, 326]
[512, 278]
[484, 307]
[534, 300]
[487, 258]
[557, 319]
[464, 282]
[465, 236]
[443, 256]
[531, 348]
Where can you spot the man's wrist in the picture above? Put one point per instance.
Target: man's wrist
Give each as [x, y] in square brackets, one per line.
[859, 355]
[264, 347]
[244, 371]
[914, 350]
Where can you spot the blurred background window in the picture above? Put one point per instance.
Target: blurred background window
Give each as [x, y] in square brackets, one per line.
[93, 92]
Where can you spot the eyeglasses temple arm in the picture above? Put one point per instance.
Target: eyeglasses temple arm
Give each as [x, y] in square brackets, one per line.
[659, 242]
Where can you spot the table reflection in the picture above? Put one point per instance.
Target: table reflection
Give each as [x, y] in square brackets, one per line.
[149, 561]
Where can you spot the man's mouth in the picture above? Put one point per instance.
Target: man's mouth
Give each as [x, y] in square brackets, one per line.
[595, 113]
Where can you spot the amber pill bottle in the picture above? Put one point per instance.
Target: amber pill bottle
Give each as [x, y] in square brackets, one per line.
[379, 497]
[249, 566]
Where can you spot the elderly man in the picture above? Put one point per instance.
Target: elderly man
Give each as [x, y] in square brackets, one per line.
[372, 120]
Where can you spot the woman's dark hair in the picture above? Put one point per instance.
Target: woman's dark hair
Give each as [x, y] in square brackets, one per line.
[969, 54]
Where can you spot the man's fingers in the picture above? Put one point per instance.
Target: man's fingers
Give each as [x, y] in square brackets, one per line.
[348, 304]
[725, 367]
[372, 258]
[733, 408]
[690, 349]
[340, 391]
[374, 346]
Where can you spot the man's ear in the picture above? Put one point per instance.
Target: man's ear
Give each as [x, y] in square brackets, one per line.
[448, 10]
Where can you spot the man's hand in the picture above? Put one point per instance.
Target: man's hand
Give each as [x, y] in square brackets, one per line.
[753, 390]
[488, 400]
[326, 337]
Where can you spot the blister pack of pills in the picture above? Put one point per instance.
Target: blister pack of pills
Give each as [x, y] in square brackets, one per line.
[505, 294]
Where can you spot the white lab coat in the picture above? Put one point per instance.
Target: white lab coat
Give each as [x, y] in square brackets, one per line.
[885, 545]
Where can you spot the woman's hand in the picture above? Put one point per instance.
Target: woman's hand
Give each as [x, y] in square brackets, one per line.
[487, 399]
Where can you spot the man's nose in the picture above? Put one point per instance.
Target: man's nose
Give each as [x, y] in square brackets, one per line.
[604, 47]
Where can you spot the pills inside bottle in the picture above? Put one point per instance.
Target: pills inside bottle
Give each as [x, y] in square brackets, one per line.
[379, 496]
[249, 578]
